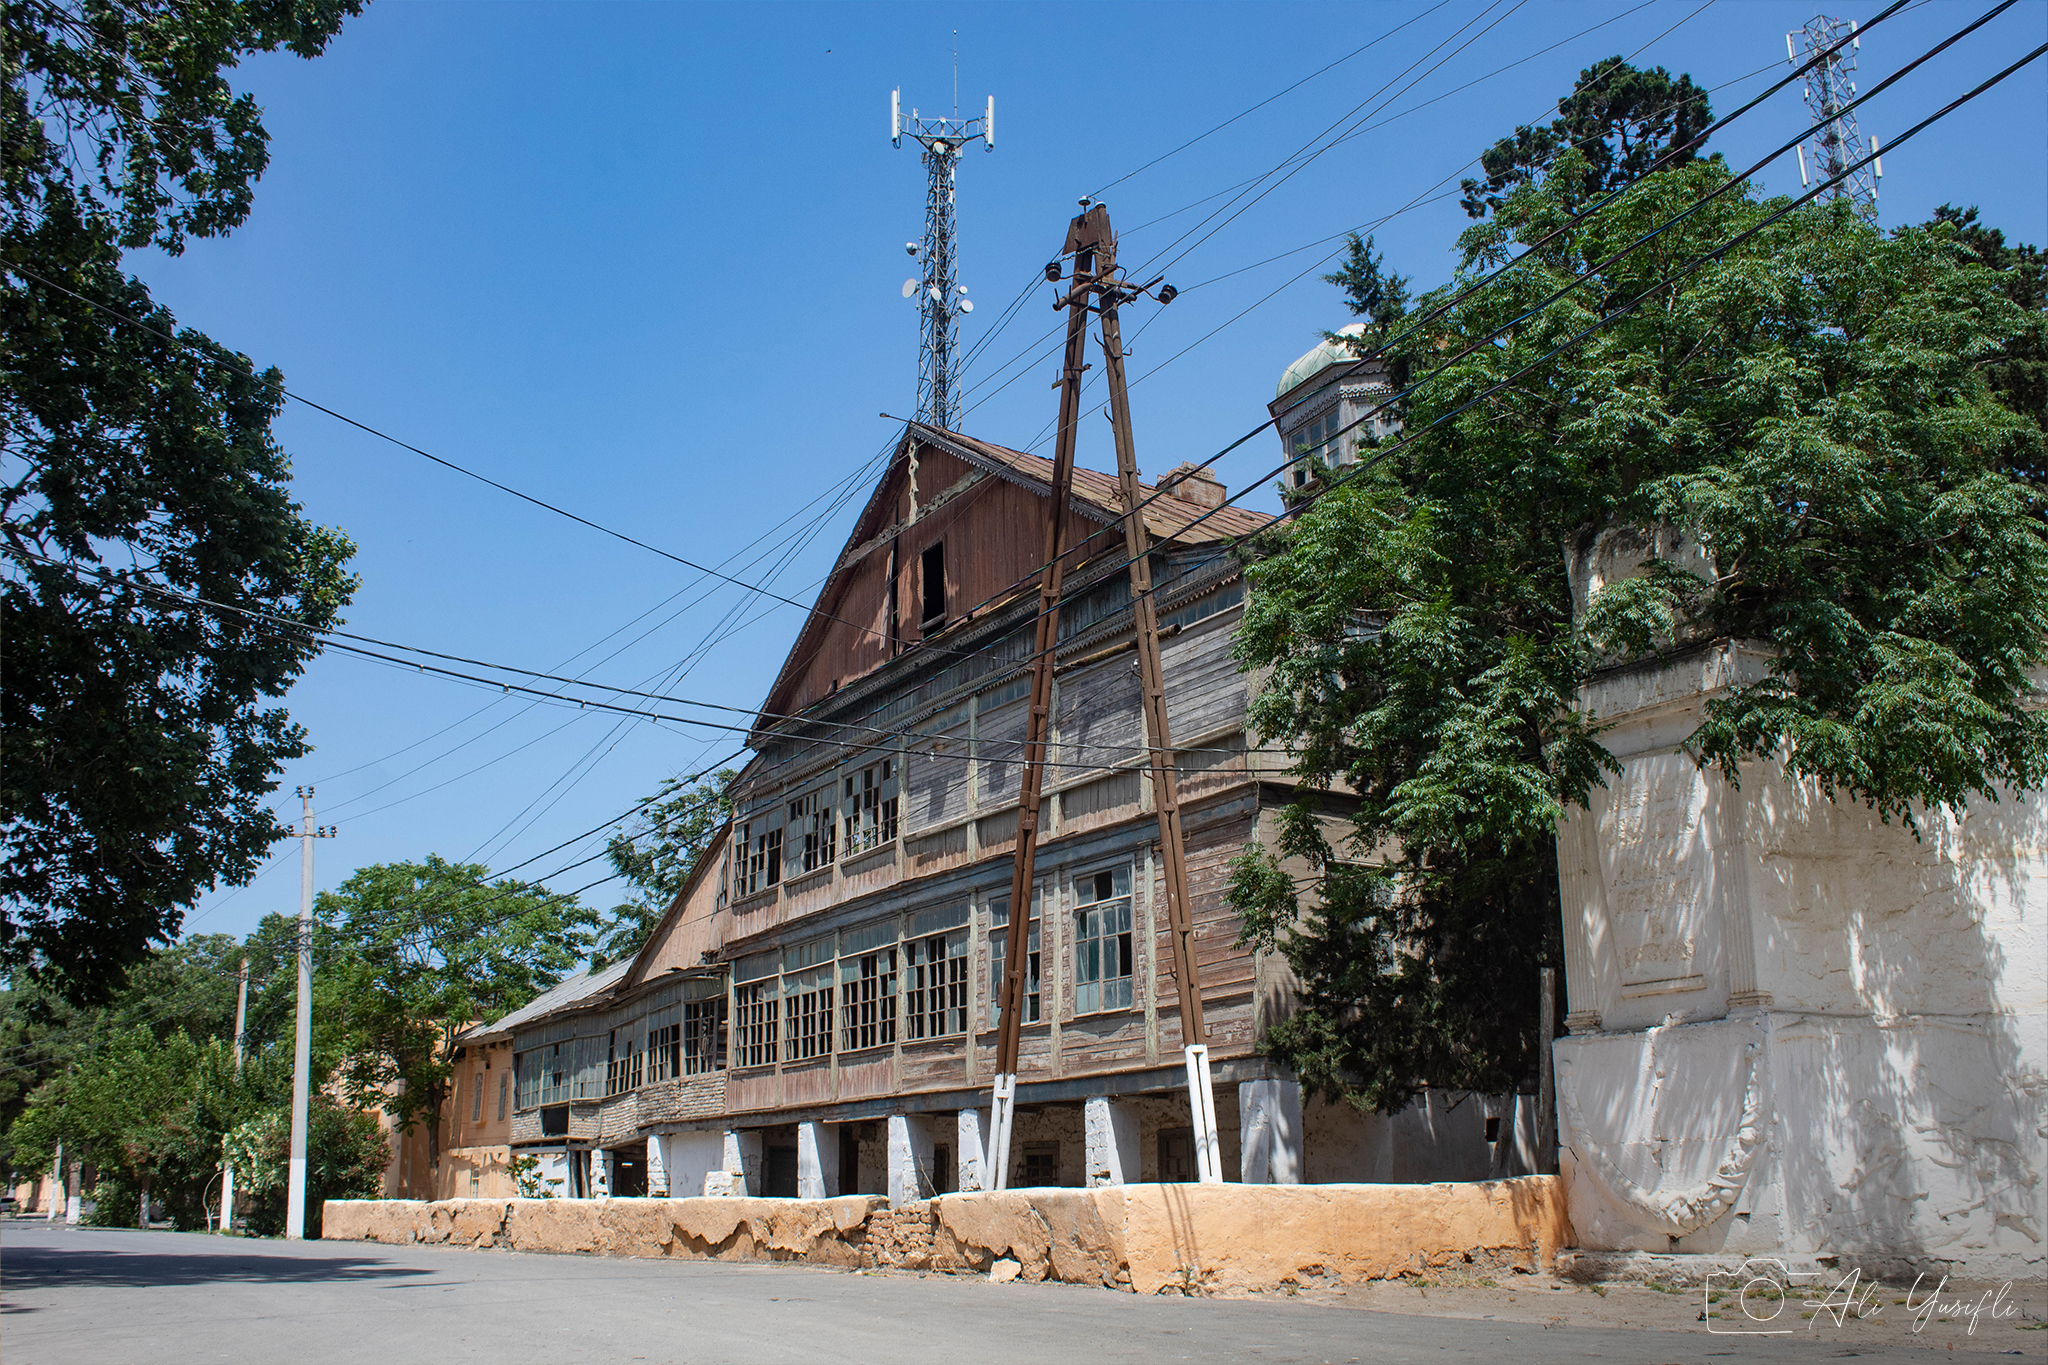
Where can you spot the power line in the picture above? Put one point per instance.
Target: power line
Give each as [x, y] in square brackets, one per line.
[1577, 280]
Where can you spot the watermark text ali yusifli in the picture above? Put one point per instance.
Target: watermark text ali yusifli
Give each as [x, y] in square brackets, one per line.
[1766, 1298]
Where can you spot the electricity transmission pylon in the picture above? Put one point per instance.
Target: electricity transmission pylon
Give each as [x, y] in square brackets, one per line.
[1830, 86]
[941, 298]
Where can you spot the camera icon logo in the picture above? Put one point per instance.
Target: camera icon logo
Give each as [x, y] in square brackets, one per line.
[1759, 1299]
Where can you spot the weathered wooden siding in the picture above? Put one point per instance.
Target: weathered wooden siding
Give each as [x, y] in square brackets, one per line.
[1204, 690]
[1098, 718]
[935, 776]
[999, 745]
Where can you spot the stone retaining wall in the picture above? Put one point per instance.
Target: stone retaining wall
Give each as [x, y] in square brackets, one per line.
[1146, 1238]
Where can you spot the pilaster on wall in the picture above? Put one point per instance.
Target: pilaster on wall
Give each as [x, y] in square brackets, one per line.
[910, 1158]
[743, 1161]
[1110, 1133]
[817, 1161]
[972, 1128]
[1271, 1146]
[1654, 874]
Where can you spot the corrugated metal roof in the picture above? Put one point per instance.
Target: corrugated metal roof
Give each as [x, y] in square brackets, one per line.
[573, 990]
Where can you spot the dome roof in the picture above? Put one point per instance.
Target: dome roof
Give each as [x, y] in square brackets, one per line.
[1325, 354]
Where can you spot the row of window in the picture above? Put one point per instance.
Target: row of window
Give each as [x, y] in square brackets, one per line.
[863, 988]
[806, 1003]
[685, 1039]
[816, 830]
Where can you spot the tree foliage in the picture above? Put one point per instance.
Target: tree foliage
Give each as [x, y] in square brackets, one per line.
[1812, 406]
[414, 953]
[145, 1090]
[136, 460]
[2018, 370]
[659, 854]
[1619, 119]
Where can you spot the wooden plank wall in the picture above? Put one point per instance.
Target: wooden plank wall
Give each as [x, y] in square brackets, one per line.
[1204, 689]
[1098, 718]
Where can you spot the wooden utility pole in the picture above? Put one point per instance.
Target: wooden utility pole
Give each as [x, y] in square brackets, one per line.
[1038, 723]
[1094, 286]
[1194, 1029]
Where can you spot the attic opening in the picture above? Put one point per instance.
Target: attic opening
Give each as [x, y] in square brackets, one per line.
[932, 572]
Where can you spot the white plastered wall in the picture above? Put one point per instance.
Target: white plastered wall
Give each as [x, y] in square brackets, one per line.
[1796, 1029]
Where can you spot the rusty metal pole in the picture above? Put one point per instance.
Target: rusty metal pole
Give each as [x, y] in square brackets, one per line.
[1038, 724]
[1194, 1029]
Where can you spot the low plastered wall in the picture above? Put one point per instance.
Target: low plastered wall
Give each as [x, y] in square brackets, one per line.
[1145, 1238]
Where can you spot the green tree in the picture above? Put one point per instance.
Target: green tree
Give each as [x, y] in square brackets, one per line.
[346, 1154]
[416, 952]
[659, 854]
[2018, 370]
[1812, 405]
[1619, 119]
[136, 460]
[115, 1110]
[1371, 291]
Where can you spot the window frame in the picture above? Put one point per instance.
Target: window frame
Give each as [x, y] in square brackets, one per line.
[1103, 928]
[870, 985]
[935, 994]
[814, 818]
[998, 953]
[870, 804]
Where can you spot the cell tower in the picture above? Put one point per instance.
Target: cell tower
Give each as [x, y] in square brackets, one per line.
[1830, 87]
[941, 298]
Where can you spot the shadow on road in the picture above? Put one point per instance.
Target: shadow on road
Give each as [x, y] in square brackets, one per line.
[32, 1267]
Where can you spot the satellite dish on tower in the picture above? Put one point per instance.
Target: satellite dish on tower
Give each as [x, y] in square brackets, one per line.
[909, 288]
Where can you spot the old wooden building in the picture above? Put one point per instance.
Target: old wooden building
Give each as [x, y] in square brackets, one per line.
[815, 1015]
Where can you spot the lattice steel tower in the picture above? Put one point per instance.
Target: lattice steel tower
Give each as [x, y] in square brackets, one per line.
[1830, 86]
[941, 298]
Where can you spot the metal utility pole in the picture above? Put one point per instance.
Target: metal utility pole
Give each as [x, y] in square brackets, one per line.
[941, 298]
[227, 1169]
[1095, 286]
[1830, 86]
[302, 1038]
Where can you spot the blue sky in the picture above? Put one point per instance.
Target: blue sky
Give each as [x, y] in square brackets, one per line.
[643, 261]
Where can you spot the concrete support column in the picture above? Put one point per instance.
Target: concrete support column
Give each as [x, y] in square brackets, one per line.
[742, 1161]
[1110, 1137]
[817, 1161]
[1270, 1132]
[975, 1171]
[657, 1170]
[600, 1174]
[910, 1158]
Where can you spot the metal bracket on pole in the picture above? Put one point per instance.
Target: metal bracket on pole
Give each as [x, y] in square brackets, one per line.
[1202, 1102]
[1000, 1114]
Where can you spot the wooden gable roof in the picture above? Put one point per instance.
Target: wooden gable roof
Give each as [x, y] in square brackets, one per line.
[847, 628]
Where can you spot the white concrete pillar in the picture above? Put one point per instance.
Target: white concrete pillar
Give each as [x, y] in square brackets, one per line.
[742, 1160]
[1269, 1132]
[910, 1158]
[657, 1170]
[817, 1161]
[601, 1174]
[1110, 1137]
[975, 1172]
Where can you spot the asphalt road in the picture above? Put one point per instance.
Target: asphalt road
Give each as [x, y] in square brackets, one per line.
[107, 1296]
